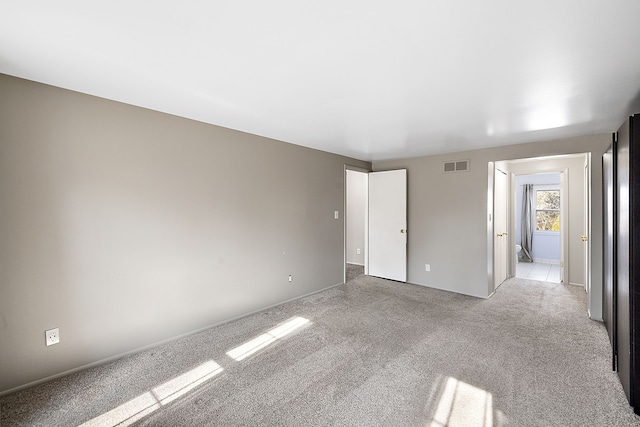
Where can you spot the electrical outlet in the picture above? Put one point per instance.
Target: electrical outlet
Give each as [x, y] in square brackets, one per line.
[427, 267]
[336, 214]
[290, 278]
[52, 336]
[358, 251]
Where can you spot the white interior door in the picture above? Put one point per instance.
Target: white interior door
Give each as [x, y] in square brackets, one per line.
[500, 228]
[388, 224]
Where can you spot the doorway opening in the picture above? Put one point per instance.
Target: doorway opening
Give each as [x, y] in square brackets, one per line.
[538, 199]
[376, 223]
[574, 219]
[356, 223]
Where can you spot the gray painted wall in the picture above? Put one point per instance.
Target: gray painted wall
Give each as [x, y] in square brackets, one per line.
[446, 214]
[356, 213]
[125, 227]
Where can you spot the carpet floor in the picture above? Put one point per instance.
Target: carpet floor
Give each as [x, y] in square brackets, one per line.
[354, 271]
[371, 352]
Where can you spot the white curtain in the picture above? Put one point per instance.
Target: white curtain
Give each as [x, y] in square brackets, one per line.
[528, 222]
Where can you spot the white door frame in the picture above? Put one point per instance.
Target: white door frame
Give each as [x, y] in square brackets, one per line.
[564, 224]
[501, 244]
[491, 171]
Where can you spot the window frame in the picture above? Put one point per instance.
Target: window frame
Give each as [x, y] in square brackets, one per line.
[547, 187]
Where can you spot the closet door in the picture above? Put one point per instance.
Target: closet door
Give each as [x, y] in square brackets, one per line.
[628, 259]
[609, 200]
[633, 259]
[623, 300]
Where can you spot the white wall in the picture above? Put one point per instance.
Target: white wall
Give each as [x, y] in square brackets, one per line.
[546, 245]
[356, 215]
[447, 214]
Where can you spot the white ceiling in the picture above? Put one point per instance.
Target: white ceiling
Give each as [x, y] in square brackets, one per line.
[365, 78]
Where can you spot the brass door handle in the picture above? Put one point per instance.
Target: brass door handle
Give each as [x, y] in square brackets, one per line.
[499, 235]
[403, 231]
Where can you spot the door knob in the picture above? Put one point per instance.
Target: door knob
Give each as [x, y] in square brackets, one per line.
[403, 231]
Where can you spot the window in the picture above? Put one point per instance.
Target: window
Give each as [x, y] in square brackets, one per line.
[548, 210]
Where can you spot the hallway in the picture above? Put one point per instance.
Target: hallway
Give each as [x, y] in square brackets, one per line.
[538, 271]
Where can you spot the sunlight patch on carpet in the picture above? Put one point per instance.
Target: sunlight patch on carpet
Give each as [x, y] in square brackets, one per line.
[462, 404]
[138, 407]
[247, 349]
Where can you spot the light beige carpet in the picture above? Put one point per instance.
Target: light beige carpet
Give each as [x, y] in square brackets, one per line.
[371, 352]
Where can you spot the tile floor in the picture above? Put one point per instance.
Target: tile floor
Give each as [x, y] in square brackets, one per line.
[538, 271]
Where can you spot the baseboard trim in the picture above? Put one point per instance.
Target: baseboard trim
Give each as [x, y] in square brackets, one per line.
[355, 263]
[547, 261]
[150, 346]
[447, 290]
[576, 284]
[595, 319]
[591, 317]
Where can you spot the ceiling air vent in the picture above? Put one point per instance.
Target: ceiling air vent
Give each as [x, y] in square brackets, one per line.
[456, 166]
